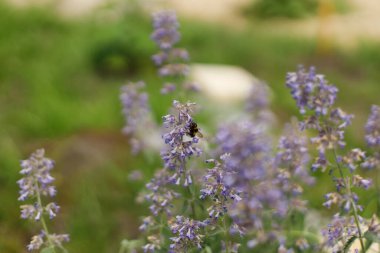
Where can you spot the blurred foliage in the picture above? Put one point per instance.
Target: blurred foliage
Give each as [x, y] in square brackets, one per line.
[283, 8]
[293, 9]
[59, 88]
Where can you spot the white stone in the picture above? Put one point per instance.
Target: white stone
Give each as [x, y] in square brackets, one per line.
[222, 83]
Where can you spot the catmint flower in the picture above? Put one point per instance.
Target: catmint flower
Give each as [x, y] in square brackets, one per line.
[215, 187]
[165, 24]
[372, 162]
[302, 244]
[136, 112]
[257, 104]
[361, 182]
[37, 178]
[36, 242]
[180, 145]
[372, 138]
[339, 231]
[187, 234]
[293, 155]
[250, 172]
[171, 61]
[160, 196]
[147, 222]
[283, 249]
[343, 200]
[35, 184]
[352, 158]
[331, 131]
[311, 91]
[248, 150]
[372, 127]
[154, 244]
[231, 246]
[168, 87]
[315, 96]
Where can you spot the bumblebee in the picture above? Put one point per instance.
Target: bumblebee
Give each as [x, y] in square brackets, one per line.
[194, 131]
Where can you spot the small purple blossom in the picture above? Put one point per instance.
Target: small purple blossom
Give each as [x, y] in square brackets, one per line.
[36, 242]
[153, 245]
[168, 87]
[231, 247]
[187, 234]
[37, 178]
[339, 231]
[352, 159]
[160, 196]
[361, 182]
[180, 145]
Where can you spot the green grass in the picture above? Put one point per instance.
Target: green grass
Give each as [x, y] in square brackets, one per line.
[59, 86]
[289, 9]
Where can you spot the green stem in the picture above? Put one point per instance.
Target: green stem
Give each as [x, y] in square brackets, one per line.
[377, 189]
[226, 234]
[192, 204]
[348, 187]
[190, 192]
[44, 226]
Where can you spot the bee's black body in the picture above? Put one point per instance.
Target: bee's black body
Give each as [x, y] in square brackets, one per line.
[193, 129]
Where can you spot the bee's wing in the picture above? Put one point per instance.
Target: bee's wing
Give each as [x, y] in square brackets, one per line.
[199, 134]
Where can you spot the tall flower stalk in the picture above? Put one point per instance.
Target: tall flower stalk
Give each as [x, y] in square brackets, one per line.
[372, 138]
[137, 113]
[315, 98]
[175, 177]
[34, 186]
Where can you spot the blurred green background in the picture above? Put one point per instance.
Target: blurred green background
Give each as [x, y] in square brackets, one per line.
[59, 89]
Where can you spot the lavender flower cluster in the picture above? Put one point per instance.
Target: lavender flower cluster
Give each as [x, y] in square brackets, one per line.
[36, 184]
[315, 98]
[136, 112]
[180, 144]
[171, 61]
[372, 138]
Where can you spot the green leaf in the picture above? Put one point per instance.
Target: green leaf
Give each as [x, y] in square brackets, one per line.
[207, 249]
[348, 244]
[47, 250]
[370, 238]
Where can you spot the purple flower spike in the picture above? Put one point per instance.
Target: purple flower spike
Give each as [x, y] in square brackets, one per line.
[372, 127]
[165, 26]
[311, 91]
[137, 114]
[170, 61]
[36, 183]
[181, 145]
[187, 234]
[372, 137]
